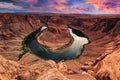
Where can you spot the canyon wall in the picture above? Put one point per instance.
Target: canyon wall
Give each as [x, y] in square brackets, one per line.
[13, 29]
[100, 60]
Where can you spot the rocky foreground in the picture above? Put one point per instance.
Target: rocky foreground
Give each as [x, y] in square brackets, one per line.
[100, 60]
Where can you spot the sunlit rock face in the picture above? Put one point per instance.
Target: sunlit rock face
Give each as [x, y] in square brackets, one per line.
[51, 43]
[56, 35]
[109, 67]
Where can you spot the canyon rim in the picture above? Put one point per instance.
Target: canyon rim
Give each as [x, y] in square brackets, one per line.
[100, 59]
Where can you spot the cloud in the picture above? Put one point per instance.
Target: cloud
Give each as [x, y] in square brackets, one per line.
[66, 6]
[108, 6]
[9, 6]
[32, 1]
[58, 4]
[7, 0]
[63, 6]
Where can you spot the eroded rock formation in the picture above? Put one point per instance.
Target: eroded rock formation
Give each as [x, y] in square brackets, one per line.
[57, 32]
[44, 70]
[109, 68]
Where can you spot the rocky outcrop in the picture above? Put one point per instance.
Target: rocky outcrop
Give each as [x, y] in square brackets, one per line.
[43, 70]
[57, 32]
[8, 69]
[109, 67]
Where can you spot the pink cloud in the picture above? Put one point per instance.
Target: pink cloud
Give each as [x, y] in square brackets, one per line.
[62, 7]
[58, 5]
[32, 1]
[107, 6]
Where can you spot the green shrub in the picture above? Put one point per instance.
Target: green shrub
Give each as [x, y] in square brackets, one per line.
[24, 50]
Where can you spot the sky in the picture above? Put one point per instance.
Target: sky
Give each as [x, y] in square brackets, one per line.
[61, 6]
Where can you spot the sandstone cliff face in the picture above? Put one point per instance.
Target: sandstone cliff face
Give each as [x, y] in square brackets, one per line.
[105, 43]
[13, 29]
[57, 32]
[109, 68]
[100, 58]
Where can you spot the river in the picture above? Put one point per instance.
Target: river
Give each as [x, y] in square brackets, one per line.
[71, 52]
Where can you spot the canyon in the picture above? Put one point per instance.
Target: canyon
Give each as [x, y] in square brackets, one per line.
[100, 59]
